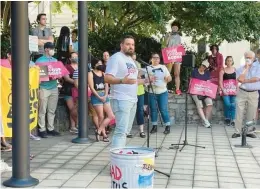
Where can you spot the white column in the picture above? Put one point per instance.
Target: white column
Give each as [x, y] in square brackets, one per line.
[41, 7]
[50, 16]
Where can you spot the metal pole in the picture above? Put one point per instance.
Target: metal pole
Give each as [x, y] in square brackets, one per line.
[20, 97]
[83, 71]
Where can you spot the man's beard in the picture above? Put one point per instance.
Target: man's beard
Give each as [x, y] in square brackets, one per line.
[129, 53]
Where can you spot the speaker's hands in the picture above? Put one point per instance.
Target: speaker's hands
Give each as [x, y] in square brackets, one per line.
[127, 80]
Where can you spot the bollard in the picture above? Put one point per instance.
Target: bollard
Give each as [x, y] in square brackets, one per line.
[243, 135]
[244, 132]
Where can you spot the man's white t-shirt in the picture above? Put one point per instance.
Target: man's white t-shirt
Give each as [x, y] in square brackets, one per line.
[119, 65]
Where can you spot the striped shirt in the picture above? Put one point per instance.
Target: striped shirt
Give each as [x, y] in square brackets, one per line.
[75, 74]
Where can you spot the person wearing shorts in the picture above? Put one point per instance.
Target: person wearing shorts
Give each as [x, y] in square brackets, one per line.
[174, 39]
[99, 98]
[91, 110]
[67, 89]
[202, 73]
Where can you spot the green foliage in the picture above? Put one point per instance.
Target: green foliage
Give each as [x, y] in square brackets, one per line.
[57, 5]
[217, 20]
[110, 42]
[140, 17]
[5, 42]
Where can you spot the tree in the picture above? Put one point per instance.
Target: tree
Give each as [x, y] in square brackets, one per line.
[57, 5]
[145, 18]
[216, 21]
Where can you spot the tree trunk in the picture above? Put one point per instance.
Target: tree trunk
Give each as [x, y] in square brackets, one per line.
[6, 15]
[93, 26]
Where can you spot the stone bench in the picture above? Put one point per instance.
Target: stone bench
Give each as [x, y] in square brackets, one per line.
[176, 109]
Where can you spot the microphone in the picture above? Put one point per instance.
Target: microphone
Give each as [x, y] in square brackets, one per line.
[143, 62]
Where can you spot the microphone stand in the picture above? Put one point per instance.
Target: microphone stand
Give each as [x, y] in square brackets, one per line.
[148, 114]
[185, 142]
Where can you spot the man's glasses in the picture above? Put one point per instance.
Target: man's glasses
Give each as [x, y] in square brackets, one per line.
[43, 33]
[156, 57]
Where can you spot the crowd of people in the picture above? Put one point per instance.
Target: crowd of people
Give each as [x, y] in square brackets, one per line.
[119, 89]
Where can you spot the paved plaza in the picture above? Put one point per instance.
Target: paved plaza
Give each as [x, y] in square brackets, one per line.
[62, 164]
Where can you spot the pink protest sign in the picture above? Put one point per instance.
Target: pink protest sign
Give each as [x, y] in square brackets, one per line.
[203, 88]
[5, 63]
[229, 87]
[55, 69]
[173, 54]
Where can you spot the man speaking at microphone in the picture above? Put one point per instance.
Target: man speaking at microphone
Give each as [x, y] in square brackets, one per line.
[249, 77]
[121, 73]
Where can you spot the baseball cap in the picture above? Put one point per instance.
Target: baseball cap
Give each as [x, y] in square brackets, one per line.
[205, 63]
[48, 45]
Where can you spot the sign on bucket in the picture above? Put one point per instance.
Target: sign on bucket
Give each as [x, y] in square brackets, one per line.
[132, 167]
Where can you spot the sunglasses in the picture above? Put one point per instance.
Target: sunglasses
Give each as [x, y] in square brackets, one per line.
[43, 33]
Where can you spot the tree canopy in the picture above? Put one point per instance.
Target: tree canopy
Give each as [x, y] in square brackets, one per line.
[217, 21]
[214, 21]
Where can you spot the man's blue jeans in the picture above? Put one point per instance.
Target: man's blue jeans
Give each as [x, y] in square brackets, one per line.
[229, 107]
[162, 100]
[140, 110]
[124, 114]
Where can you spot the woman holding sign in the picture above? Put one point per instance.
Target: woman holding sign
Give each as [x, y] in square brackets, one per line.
[228, 89]
[174, 39]
[162, 77]
[202, 73]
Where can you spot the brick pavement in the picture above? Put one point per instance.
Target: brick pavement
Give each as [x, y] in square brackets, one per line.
[62, 164]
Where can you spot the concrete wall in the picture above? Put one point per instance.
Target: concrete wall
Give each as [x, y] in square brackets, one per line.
[176, 109]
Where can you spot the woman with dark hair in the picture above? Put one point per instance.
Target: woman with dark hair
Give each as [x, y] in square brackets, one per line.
[74, 38]
[215, 63]
[99, 98]
[67, 86]
[227, 73]
[174, 39]
[161, 76]
[64, 45]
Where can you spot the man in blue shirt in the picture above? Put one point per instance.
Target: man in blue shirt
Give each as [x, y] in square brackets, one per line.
[248, 76]
[48, 96]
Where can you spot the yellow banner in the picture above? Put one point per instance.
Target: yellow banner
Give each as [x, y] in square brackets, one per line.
[6, 98]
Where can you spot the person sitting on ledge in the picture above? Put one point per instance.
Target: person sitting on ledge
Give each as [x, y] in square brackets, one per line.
[202, 73]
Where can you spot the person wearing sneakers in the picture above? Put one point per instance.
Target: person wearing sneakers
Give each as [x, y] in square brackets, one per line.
[162, 77]
[228, 73]
[174, 39]
[202, 73]
[48, 96]
[248, 76]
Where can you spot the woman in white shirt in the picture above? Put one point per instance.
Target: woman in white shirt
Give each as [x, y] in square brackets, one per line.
[162, 77]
